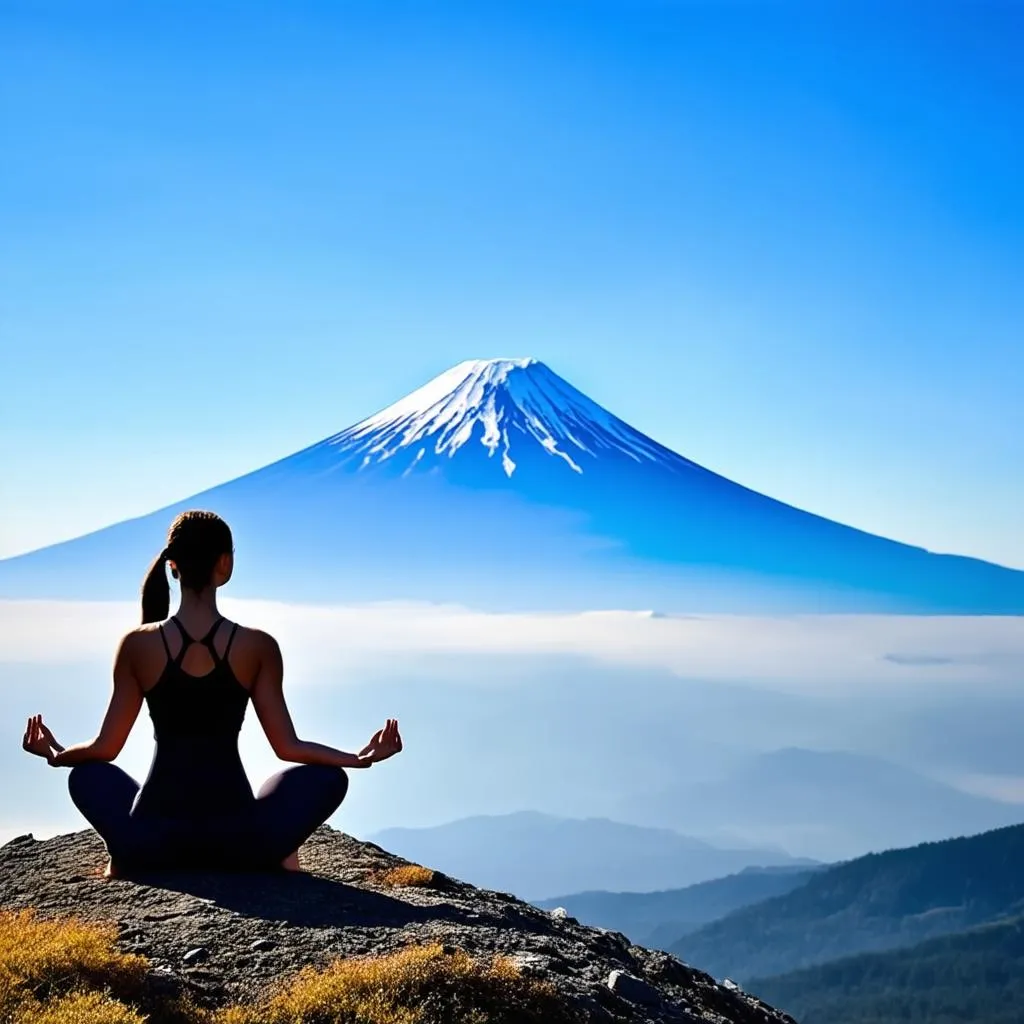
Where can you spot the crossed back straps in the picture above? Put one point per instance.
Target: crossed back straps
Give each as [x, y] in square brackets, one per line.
[206, 641]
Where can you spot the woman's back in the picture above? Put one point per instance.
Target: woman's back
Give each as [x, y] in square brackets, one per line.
[196, 771]
[185, 704]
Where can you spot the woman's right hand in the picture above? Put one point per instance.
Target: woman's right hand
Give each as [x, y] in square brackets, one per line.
[385, 743]
[39, 740]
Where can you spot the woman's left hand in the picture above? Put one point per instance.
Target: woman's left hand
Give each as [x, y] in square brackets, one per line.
[386, 743]
[39, 740]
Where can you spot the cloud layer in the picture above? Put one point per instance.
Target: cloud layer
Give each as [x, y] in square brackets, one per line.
[801, 653]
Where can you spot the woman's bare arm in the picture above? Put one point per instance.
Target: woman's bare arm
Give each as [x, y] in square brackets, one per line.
[122, 711]
[272, 711]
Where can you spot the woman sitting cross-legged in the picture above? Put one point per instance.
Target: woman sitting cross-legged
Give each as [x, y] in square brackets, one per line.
[198, 672]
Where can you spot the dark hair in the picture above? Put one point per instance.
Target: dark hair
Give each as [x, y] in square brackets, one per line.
[195, 541]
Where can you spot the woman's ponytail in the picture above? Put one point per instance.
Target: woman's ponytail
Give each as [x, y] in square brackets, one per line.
[156, 592]
[195, 543]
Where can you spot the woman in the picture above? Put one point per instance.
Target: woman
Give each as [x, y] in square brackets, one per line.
[196, 808]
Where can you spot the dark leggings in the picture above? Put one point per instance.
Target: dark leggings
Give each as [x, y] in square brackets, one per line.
[289, 807]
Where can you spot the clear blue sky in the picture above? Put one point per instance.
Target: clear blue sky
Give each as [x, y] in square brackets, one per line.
[785, 240]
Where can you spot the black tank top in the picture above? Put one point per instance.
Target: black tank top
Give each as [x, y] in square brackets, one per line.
[196, 771]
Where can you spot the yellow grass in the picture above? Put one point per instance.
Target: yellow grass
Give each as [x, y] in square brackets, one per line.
[70, 971]
[57, 971]
[79, 1008]
[407, 874]
[416, 985]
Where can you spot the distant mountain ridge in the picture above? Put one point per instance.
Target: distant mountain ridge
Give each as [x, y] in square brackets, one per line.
[659, 919]
[878, 902]
[825, 804]
[534, 855]
[501, 485]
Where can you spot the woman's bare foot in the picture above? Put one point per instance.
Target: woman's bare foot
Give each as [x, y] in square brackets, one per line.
[110, 871]
[291, 862]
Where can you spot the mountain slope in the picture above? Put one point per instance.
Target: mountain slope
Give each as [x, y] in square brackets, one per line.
[658, 919]
[972, 977]
[881, 901]
[501, 485]
[534, 855]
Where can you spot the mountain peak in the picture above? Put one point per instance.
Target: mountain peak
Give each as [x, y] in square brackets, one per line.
[500, 366]
[505, 409]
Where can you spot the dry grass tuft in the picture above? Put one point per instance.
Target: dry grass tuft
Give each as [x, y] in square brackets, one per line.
[407, 874]
[65, 970]
[417, 985]
[78, 1008]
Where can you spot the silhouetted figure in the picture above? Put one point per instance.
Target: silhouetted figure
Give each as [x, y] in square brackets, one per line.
[196, 808]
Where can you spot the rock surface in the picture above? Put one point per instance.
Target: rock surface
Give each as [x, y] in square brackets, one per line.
[254, 929]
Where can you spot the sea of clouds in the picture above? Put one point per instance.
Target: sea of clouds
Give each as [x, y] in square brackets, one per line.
[798, 653]
[567, 713]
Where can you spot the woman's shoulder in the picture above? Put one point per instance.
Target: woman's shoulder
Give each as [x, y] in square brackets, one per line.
[251, 640]
[251, 633]
[251, 652]
[140, 636]
[140, 647]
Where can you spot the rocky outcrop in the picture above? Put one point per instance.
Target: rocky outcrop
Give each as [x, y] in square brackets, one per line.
[226, 937]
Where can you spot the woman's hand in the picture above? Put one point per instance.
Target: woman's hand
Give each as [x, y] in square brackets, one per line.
[385, 743]
[39, 740]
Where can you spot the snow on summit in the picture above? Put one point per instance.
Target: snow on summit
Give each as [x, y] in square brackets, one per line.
[505, 407]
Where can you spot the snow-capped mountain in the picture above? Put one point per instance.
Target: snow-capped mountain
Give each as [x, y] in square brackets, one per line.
[501, 485]
[499, 404]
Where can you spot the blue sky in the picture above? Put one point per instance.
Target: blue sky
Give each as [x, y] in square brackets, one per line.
[786, 240]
